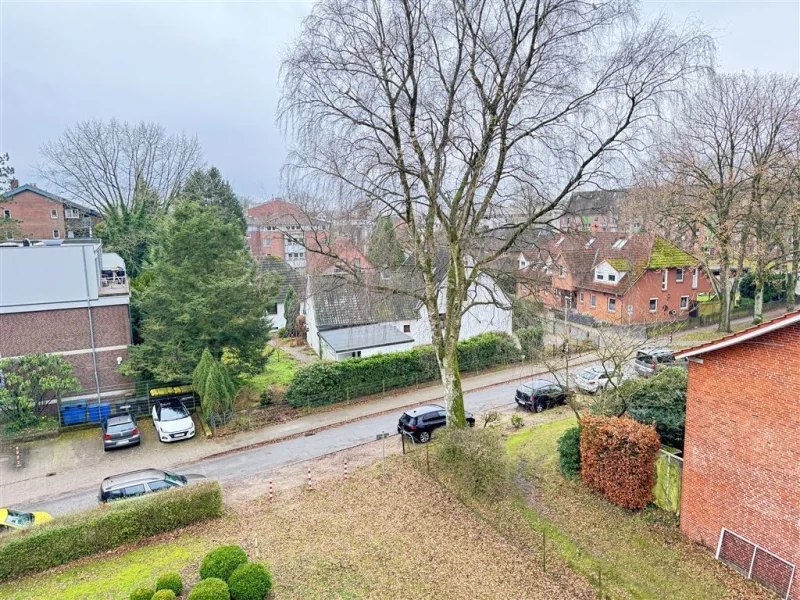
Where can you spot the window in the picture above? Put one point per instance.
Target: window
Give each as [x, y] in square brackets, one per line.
[694, 278]
[56, 234]
[612, 277]
[133, 490]
[268, 242]
[664, 279]
[157, 486]
[9, 235]
[357, 263]
[562, 272]
[70, 234]
[653, 304]
[637, 226]
[679, 275]
[592, 300]
[599, 276]
[6, 214]
[684, 302]
[53, 213]
[612, 305]
[581, 298]
[406, 328]
[356, 354]
[619, 243]
[71, 213]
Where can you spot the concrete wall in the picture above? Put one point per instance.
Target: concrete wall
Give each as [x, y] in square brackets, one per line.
[742, 451]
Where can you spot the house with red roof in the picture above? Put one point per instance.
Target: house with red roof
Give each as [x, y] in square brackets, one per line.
[282, 229]
[741, 469]
[616, 277]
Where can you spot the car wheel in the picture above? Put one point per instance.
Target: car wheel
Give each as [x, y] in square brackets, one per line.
[424, 437]
[538, 407]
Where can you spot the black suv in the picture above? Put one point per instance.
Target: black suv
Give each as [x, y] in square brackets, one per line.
[540, 394]
[420, 422]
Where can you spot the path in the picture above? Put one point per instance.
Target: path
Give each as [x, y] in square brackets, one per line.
[302, 354]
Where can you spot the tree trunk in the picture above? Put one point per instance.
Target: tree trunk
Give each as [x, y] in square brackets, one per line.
[453, 395]
[794, 264]
[758, 308]
[725, 292]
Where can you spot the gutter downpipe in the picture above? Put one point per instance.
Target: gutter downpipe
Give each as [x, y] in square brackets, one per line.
[91, 329]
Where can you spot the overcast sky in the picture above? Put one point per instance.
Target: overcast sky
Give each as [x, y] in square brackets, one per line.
[211, 69]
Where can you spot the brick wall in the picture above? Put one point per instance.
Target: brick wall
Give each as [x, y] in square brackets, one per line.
[275, 247]
[742, 450]
[34, 211]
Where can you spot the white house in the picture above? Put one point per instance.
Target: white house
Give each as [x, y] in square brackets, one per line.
[346, 320]
[289, 278]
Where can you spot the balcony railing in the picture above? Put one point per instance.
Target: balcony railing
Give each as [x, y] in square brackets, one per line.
[111, 285]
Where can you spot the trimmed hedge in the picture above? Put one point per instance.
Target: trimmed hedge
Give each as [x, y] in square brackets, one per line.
[531, 340]
[328, 382]
[221, 562]
[251, 581]
[618, 459]
[89, 532]
[142, 594]
[210, 589]
[170, 581]
[164, 595]
[569, 452]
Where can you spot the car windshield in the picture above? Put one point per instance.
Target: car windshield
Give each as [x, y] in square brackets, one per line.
[19, 519]
[644, 357]
[173, 412]
[591, 372]
[174, 477]
[406, 418]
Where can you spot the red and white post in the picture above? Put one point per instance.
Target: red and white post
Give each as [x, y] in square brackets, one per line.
[18, 463]
[270, 490]
[309, 478]
[345, 469]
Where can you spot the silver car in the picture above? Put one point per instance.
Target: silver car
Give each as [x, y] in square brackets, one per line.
[649, 361]
[139, 483]
[120, 431]
[596, 378]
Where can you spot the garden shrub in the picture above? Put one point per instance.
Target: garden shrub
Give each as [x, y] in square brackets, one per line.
[210, 589]
[517, 422]
[532, 341]
[170, 581]
[569, 452]
[618, 459]
[89, 532]
[251, 581]
[221, 562]
[660, 399]
[475, 459]
[328, 382]
[142, 594]
[164, 595]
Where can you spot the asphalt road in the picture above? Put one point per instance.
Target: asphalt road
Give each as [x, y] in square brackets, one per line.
[260, 460]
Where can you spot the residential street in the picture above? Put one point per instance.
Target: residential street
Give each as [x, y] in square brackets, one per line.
[82, 483]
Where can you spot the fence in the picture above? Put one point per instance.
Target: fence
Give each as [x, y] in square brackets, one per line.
[710, 319]
[755, 563]
[669, 475]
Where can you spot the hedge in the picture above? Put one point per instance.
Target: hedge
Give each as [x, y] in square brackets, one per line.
[164, 595]
[569, 452]
[618, 459]
[251, 581]
[99, 529]
[210, 589]
[221, 562]
[142, 594]
[328, 382]
[170, 581]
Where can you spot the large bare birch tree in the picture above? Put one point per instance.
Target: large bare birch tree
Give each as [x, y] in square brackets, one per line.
[441, 113]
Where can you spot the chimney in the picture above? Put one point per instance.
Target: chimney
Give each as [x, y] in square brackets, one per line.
[14, 184]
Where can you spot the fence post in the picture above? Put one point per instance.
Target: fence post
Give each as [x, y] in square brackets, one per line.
[544, 551]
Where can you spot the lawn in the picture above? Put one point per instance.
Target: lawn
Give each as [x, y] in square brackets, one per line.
[638, 555]
[709, 334]
[278, 371]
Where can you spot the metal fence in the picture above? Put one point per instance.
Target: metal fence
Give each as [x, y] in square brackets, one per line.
[755, 563]
[669, 476]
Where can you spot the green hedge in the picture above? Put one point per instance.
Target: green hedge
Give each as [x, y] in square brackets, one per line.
[328, 382]
[92, 531]
[221, 562]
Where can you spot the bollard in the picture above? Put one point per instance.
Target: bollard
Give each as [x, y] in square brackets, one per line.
[345, 469]
[309, 478]
[18, 463]
[270, 490]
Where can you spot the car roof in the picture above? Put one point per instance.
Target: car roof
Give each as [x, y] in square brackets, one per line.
[119, 420]
[423, 410]
[535, 384]
[132, 477]
[655, 351]
[171, 402]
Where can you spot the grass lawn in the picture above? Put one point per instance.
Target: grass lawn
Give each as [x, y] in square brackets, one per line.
[278, 371]
[640, 555]
[711, 334]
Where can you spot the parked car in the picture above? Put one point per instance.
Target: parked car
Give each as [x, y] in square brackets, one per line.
[120, 431]
[172, 421]
[12, 520]
[540, 394]
[595, 378]
[422, 421]
[139, 483]
[651, 360]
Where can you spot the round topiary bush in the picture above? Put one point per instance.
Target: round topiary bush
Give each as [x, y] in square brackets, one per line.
[251, 581]
[142, 594]
[210, 589]
[164, 595]
[222, 562]
[170, 581]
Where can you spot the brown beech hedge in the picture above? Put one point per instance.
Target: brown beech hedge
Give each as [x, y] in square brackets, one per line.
[618, 459]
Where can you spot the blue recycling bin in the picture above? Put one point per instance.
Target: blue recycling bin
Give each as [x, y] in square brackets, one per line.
[73, 412]
[99, 412]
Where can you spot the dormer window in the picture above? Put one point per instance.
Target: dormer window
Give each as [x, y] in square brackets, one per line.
[600, 276]
[562, 272]
[612, 277]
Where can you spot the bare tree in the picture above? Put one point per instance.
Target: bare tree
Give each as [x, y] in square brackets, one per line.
[441, 112]
[107, 164]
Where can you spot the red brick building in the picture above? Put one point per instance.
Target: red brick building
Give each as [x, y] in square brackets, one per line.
[69, 299]
[282, 229]
[28, 212]
[618, 277]
[741, 470]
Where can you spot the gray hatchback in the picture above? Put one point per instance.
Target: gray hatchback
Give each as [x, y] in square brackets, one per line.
[120, 431]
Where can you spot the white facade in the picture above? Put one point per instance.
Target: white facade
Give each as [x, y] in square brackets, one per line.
[605, 273]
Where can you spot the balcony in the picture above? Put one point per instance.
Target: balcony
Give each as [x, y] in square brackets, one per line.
[113, 285]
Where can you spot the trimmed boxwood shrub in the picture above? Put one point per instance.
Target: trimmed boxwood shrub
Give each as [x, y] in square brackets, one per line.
[251, 581]
[569, 452]
[221, 562]
[142, 594]
[210, 589]
[618, 459]
[328, 382]
[170, 581]
[164, 595]
[88, 532]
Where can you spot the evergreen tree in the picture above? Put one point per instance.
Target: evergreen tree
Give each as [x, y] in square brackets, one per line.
[201, 371]
[384, 247]
[204, 293]
[216, 402]
[292, 311]
[208, 187]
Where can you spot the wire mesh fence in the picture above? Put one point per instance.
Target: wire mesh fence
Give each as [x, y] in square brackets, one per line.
[756, 563]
